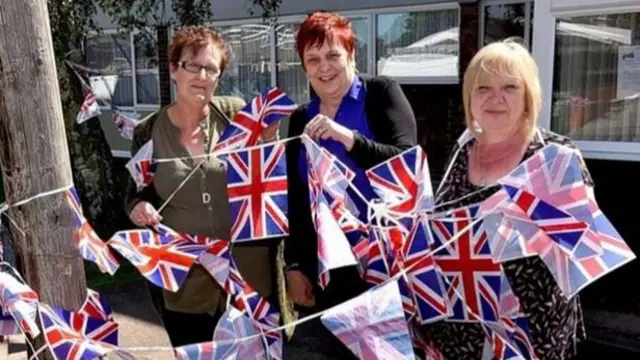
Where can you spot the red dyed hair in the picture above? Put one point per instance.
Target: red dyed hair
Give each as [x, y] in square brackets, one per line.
[321, 26]
[192, 39]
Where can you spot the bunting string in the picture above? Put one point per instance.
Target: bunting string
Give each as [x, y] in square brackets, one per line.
[399, 274]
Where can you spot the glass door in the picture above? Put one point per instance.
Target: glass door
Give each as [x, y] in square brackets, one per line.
[504, 18]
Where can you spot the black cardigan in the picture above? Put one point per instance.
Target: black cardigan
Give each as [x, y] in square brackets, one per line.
[393, 124]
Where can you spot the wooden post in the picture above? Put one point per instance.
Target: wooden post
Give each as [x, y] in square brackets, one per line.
[34, 156]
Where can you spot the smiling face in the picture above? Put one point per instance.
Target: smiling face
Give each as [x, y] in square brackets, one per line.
[197, 74]
[498, 103]
[329, 68]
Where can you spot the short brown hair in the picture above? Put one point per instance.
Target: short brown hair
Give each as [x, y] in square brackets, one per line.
[322, 26]
[192, 39]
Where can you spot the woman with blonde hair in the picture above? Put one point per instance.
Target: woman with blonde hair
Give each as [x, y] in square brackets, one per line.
[502, 98]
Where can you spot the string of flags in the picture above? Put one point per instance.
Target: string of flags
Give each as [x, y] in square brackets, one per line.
[423, 265]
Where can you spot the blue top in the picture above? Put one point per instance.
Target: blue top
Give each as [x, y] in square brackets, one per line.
[351, 114]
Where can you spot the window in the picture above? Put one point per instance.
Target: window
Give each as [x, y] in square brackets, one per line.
[249, 70]
[290, 77]
[504, 20]
[596, 77]
[147, 75]
[109, 56]
[419, 45]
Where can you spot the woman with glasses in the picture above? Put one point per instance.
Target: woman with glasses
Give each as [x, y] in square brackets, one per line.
[188, 128]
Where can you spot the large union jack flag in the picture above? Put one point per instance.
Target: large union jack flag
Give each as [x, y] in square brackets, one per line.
[248, 124]
[473, 280]
[257, 187]
[91, 247]
[163, 260]
[403, 182]
[372, 325]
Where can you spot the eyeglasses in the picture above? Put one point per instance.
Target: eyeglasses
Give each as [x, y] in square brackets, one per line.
[197, 69]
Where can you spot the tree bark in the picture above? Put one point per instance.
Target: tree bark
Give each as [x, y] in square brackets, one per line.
[34, 156]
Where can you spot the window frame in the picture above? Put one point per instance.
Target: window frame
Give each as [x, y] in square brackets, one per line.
[543, 50]
[136, 104]
[417, 80]
[527, 14]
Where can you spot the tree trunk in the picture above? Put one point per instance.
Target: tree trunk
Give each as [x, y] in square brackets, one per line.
[34, 155]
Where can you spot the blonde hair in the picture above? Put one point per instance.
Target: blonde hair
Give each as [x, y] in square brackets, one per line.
[504, 58]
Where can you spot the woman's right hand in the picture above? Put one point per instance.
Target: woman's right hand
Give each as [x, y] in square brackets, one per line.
[144, 214]
[300, 288]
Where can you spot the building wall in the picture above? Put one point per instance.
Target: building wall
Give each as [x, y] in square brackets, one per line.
[233, 10]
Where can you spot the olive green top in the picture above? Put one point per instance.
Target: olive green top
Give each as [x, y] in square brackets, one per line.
[201, 207]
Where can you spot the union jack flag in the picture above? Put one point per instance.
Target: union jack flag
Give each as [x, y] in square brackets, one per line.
[212, 350]
[96, 306]
[403, 182]
[66, 343]
[235, 324]
[92, 328]
[372, 325]
[257, 187]
[91, 247]
[142, 166]
[560, 226]
[19, 301]
[89, 108]
[378, 268]
[426, 287]
[8, 325]
[248, 124]
[554, 175]
[125, 122]
[264, 317]
[333, 246]
[509, 338]
[331, 175]
[216, 260]
[473, 280]
[163, 260]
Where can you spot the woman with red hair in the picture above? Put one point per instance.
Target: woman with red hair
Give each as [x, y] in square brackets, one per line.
[362, 122]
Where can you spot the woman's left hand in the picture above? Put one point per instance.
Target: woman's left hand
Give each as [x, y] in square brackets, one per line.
[322, 127]
[270, 133]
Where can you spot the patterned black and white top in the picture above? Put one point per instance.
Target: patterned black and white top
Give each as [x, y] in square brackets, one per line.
[555, 323]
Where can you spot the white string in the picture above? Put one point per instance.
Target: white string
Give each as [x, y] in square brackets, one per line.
[228, 151]
[170, 197]
[6, 205]
[36, 353]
